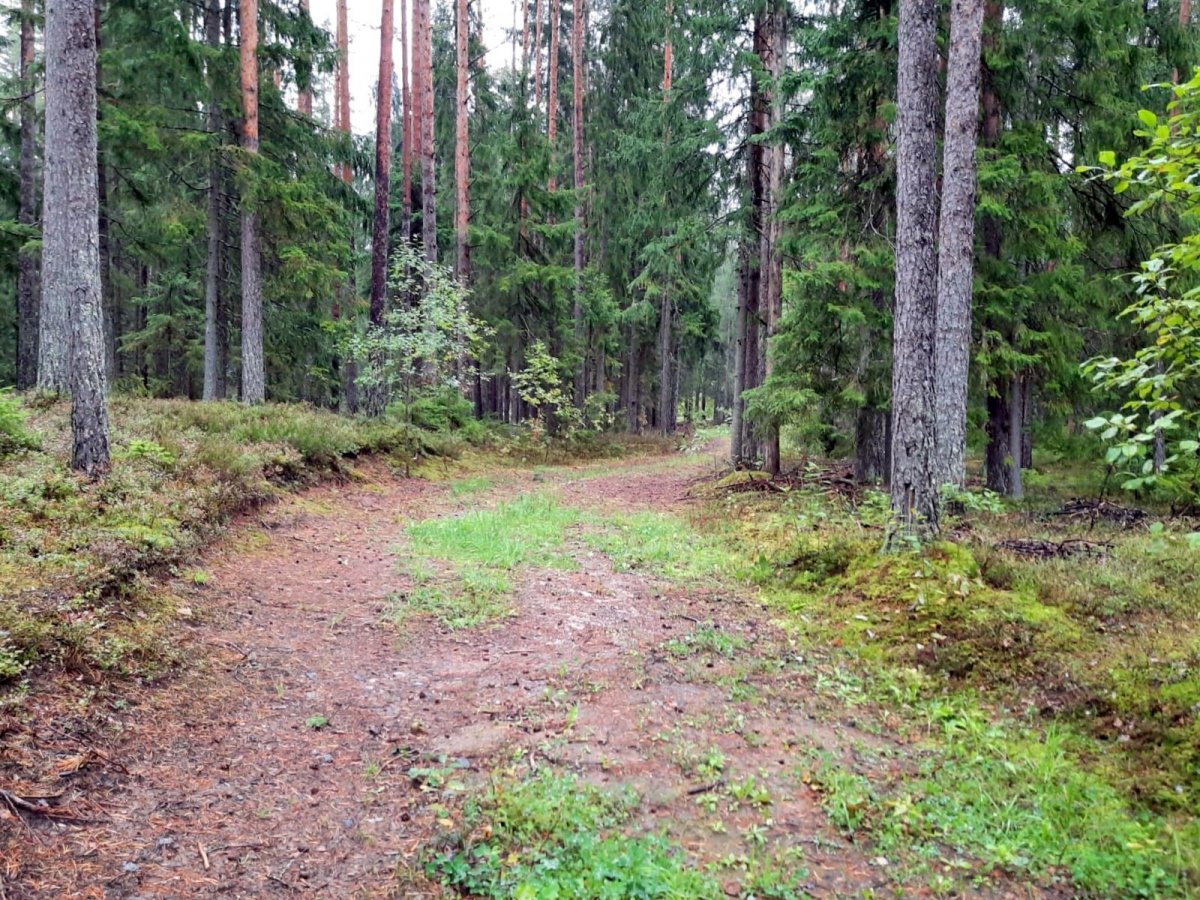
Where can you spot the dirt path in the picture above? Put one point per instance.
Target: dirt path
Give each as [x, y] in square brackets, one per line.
[281, 763]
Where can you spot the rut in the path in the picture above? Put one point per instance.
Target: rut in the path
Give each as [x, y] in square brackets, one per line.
[281, 763]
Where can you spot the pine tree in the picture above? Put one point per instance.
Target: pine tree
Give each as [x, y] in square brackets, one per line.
[253, 373]
[462, 149]
[380, 232]
[71, 236]
[27, 278]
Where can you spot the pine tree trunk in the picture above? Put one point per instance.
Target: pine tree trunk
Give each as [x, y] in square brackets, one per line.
[956, 251]
[305, 99]
[27, 274]
[580, 13]
[406, 149]
[214, 382]
[772, 260]
[462, 151]
[70, 236]
[537, 55]
[737, 449]
[665, 314]
[1016, 430]
[253, 374]
[380, 230]
[552, 97]
[428, 158]
[914, 494]
[110, 311]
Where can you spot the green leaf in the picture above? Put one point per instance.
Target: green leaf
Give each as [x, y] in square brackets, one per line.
[1108, 158]
[1148, 118]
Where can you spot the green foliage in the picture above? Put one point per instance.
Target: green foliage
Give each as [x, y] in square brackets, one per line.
[13, 434]
[544, 386]
[1160, 382]
[551, 836]
[661, 545]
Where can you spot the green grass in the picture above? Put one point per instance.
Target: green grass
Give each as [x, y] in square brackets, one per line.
[477, 554]
[552, 836]
[1058, 699]
[662, 545]
[468, 487]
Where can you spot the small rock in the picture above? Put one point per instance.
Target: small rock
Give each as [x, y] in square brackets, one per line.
[130, 867]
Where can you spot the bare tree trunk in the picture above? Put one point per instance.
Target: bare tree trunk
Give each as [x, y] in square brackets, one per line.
[665, 313]
[305, 99]
[406, 149]
[428, 157]
[214, 375]
[580, 14]
[552, 96]
[27, 273]
[914, 494]
[383, 168]
[772, 260]
[737, 449]
[956, 252]
[462, 150]
[110, 311]
[71, 221]
[253, 374]
[537, 55]
[1016, 430]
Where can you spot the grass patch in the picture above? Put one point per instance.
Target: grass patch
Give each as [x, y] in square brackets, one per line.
[551, 836]
[469, 487]
[662, 545]
[476, 555]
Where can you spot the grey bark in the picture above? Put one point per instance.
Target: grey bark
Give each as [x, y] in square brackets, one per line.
[914, 496]
[772, 260]
[214, 374]
[956, 245]
[27, 272]
[253, 374]
[666, 399]
[71, 232]
[736, 404]
[1016, 430]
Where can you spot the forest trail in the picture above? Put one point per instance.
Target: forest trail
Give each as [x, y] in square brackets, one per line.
[284, 761]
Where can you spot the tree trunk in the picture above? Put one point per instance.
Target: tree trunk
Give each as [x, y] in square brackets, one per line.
[665, 400]
[71, 223]
[305, 98]
[956, 251]
[552, 96]
[462, 150]
[997, 468]
[253, 374]
[1016, 430]
[872, 441]
[383, 167]
[772, 260]
[406, 138]
[914, 493]
[110, 312]
[428, 158]
[580, 13]
[537, 55]
[214, 375]
[27, 273]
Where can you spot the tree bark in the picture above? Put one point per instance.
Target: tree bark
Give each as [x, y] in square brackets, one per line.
[552, 97]
[462, 150]
[71, 223]
[253, 373]
[537, 55]
[956, 250]
[772, 259]
[914, 493]
[27, 272]
[214, 374]
[580, 14]
[305, 99]
[428, 158]
[380, 231]
[406, 149]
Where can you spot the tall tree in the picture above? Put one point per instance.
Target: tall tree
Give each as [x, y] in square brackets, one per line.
[956, 243]
[771, 262]
[214, 332]
[254, 387]
[462, 149]
[552, 95]
[341, 112]
[380, 231]
[666, 310]
[914, 493]
[71, 223]
[577, 77]
[27, 274]
[537, 54]
[304, 102]
[428, 148]
[406, 131]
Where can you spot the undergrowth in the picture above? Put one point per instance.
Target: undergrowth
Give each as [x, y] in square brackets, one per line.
[552, 836]
[72, 550]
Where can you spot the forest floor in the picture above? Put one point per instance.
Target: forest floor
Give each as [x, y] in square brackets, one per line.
[506, 681]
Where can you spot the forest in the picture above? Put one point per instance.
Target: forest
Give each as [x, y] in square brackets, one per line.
[673, 449]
